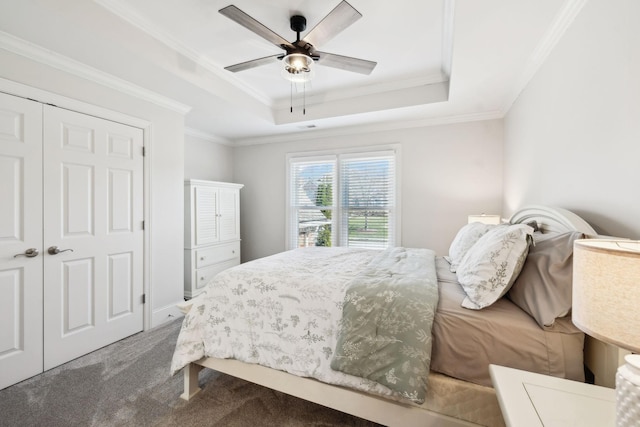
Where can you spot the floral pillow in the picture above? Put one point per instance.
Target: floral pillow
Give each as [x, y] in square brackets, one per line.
[490, 267]
[467, 236]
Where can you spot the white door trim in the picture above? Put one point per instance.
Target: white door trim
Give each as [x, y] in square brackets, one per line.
[18, 89]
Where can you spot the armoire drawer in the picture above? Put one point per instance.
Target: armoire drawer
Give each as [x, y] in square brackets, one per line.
[204, 275]
[214, 254]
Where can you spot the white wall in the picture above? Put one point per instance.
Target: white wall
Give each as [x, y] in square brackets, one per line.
[165, 158]
[447, 172]
[572, 139]
[205, 159]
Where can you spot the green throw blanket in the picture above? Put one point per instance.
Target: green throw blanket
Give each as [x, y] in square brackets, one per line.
[386, 322]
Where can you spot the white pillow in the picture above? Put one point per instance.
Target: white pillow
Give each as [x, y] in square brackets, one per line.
[490, 267]
[467, 236]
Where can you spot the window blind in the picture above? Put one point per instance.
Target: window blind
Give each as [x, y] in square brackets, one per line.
[343, 200]
[368, 200]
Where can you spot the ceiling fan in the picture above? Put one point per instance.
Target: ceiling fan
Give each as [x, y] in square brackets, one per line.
[301, 53]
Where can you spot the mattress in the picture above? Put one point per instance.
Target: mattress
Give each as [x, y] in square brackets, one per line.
[466, 341]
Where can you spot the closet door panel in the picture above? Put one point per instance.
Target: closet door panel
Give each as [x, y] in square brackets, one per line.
[78, 295]
[20, 235]
[93, 203]
[77, 210]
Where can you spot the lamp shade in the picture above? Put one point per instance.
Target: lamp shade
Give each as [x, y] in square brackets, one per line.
[606, 290]
[485, 219]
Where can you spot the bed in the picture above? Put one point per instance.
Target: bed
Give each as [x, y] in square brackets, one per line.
[459, 391]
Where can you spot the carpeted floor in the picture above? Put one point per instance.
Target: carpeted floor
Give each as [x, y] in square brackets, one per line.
[128, 384]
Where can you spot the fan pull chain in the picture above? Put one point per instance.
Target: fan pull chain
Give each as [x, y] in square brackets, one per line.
[304, 98]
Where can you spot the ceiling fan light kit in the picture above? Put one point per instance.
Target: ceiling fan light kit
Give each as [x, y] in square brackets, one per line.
[301, 54]
[298, 67]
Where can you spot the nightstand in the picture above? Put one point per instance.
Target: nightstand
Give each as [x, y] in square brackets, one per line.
[535, 400]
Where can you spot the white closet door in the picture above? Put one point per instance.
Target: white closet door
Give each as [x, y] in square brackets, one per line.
[20, 230]
[93, 204]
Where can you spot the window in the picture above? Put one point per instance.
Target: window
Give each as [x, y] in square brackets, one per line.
[343, 200]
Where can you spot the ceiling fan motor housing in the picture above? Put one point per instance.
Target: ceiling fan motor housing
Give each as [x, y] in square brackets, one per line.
[298, 23]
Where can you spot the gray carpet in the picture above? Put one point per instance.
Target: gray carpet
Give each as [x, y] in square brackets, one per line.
[128, 384]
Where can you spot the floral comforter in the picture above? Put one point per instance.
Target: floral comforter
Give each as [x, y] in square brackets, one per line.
[386, 322]
[282, 311]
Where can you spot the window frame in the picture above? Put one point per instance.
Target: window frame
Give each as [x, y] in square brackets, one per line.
[291, 236]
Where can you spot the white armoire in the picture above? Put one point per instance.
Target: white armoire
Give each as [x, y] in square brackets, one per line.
[212, 231]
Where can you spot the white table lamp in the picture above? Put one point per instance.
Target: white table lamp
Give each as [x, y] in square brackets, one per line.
[485, 219]
[606, 305]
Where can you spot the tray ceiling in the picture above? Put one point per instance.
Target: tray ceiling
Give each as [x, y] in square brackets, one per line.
[438, 61]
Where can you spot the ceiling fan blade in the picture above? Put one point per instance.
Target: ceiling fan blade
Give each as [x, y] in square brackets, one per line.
[251, 24]
[337, 20]
[253, 63]
[347, 63]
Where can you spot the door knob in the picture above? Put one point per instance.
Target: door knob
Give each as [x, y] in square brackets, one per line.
[54, 250]
[29, 253]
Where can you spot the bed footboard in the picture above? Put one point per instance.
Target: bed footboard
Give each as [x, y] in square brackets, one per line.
[191, 385]
[360, 404]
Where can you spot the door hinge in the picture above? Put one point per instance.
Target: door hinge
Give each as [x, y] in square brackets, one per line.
[143, 225]
[144, 151]
[144, 298]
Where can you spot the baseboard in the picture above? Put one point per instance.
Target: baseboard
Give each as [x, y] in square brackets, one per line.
[165, 314]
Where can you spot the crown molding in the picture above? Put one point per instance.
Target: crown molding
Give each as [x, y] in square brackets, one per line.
[127, 13]
[43, 96]
[565, 17]
[39, 54]
[448, 22]
[561, 23]
[205, 136]
[370, 128]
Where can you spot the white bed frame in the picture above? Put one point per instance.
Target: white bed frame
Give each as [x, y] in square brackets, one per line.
[602, 362]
